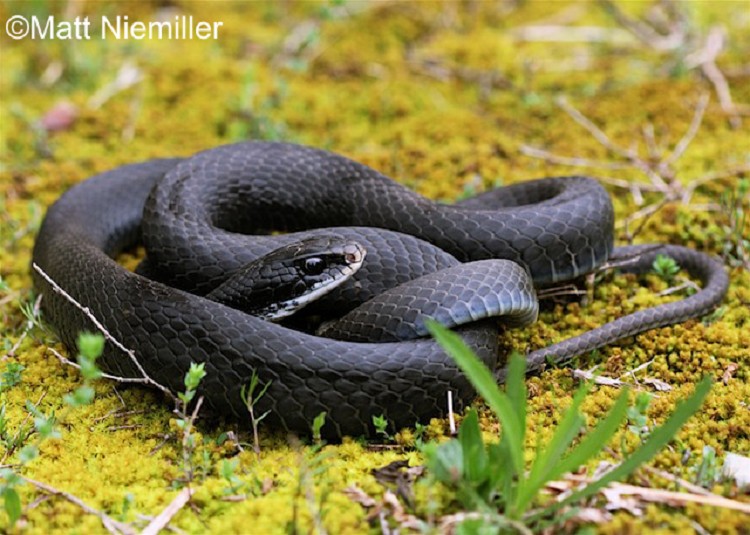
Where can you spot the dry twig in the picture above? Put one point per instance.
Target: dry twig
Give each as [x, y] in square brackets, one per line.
[87, 312]
[111, 525]
[659, 169]
[68, 362]
[675, 38]
[162, 519]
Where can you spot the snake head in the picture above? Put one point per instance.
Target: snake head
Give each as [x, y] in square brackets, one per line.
[284, 281]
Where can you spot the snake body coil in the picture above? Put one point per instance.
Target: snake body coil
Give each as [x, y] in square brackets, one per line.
[190, 214]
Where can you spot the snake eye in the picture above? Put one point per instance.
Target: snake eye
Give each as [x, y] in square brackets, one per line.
[314, 266]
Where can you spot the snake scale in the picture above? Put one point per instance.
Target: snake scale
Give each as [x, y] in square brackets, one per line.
[210, 214]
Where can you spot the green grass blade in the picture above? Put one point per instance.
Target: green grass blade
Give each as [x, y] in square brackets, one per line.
[484, 382]
[547, 458]
[472, 445]
[12, 503]
[595, 440]
[515, 389]
[659, 438]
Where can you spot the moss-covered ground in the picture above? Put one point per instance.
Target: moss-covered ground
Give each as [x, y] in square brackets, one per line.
[445, 97]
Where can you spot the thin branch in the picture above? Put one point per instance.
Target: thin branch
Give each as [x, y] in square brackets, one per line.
[628, 154]
[680, 498]
[644, 214]
[676, 41]
[162, 519]
[68, 362]
[654, 153]
[119, 397]
[111, 525]
[636, 189]
[9, 297]
[127, 76]
[123, 427]
[562, 33]
[648, 494]
[679, 288]
[705, 58]
[695, 124]
[148, 518]
[647, 34]
[700, 181]
[87, 312]
[687, 485]
[115, 413]
[574, 161]
[589, 375]
[165, 439]
[451, 414]
[659, 170]
[594, 130]
[559, 291]
[637, 369]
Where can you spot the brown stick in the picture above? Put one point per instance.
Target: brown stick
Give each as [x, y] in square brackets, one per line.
[111, 525]
[87, 312]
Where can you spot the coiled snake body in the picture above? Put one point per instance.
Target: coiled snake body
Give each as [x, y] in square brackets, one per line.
[556, 228]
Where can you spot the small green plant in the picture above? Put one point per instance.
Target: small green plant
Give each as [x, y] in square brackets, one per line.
[666, 268]
[381, 426]
[228, 471]
[492, 478]
[708, 472]
[736, 243]
[312, 488]
[31, 313]
[419, 432]
[186, 421]
[317, 425]
[253, 113]
[715, 316]
[127, 505]
[90, 347]
[637, 415]
[12, 441]
[11, 376]
[13, 230]
[9, 481]
[250, 398]
[193, 379]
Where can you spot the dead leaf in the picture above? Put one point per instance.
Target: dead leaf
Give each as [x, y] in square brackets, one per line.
[357, 495]
[657, 384]
[598, 379]
[616, 501]
[60, 117]
[729, 373]
[592, 515]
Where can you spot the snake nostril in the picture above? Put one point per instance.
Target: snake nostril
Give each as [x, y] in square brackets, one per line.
[353, 258]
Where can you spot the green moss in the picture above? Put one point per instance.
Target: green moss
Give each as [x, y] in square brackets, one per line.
[438, 95]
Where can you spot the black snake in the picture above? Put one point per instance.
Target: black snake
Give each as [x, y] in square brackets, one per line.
[557, 228]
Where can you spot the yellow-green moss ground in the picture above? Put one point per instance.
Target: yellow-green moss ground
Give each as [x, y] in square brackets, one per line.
[439, 95]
